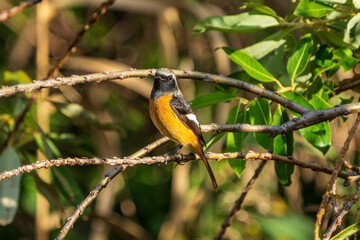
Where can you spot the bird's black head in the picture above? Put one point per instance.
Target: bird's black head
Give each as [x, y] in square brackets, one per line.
[164, 83]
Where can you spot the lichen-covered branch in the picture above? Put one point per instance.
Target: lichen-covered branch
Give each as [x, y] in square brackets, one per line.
[132, 161]
[98, 77]
[338, 217]
[4, 15]
[330, 189]
[103, 183]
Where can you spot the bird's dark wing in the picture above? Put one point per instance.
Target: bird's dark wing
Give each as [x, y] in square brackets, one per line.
[183, 111]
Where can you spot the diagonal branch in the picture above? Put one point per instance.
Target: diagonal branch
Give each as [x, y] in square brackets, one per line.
[340, 214]
[4, 15]
[332, 183]
[72, 47]
[239, 201]
[102, 184]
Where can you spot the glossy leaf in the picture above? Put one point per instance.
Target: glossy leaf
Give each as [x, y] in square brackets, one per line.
[352, 32]
[298, 98]
[259, 110]
[235, 140]
[269, 44]
[335, 39]
[319, 135]
[243, 76]
[211, 99]
[345, 58]
[306, 8]
[65, 184]
[9, 188]
[300, 57]
[258, 7]
[250, 65]
[283, 145]
[347, 232]
[241, 23]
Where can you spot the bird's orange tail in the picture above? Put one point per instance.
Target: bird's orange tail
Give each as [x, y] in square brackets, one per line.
[198, 149]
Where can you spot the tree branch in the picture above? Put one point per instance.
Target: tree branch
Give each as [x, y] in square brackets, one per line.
[103, 183]
[72, 47]
[239, 201]
[98, 77]
[4, 15]
[132, 161]
[341, 214]
[330, 189]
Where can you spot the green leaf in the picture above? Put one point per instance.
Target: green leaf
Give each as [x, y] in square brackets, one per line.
[352, 32]
[67, 186]
[346, 101]
[298, 98]
[318, 135]
[243, 76]
[300, 57]
[334, 1]
[335, 39]
[356, 4]
[271, 62]
[307, 8]
[259, 110]
[258, 7]
[347, 232]
[320, 100]
[214, 139]
[18, 77]
[283, 145]
[45, 145]
[235, 140]
[211, 99]
[269, 44]
[241, 23]
[345, 58]
[250, 65]
[9, 188]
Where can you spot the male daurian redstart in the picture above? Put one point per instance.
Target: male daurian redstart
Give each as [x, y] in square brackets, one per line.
[173, 116]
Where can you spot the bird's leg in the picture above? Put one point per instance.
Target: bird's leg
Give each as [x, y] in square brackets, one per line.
[177, 148]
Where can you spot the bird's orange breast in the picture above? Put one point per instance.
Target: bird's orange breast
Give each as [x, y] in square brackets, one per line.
[168, 124]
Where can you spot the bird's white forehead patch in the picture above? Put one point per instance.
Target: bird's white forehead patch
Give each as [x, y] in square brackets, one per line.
[193, 118]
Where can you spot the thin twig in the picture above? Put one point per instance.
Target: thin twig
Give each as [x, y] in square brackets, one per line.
[4, 15]
[130, 162]
[347, 84]
[340, 214]
[102, 184]
[72, 47]
[332, 183]
[239, 201]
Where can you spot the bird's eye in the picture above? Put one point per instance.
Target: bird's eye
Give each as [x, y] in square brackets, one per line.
[169, 78]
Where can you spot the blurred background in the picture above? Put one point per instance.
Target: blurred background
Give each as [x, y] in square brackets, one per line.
[111, 119]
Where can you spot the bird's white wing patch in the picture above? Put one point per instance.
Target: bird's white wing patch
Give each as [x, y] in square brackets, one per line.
[193, 118]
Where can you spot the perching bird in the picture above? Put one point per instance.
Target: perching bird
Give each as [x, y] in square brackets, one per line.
[173, 116]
